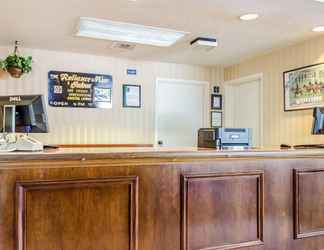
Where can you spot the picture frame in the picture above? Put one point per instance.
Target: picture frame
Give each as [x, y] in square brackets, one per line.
[216, 102]
[304, 88]
[132, 96]
[216, 89]
[216, 119]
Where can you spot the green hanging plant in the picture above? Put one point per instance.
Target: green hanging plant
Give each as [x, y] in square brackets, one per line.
[17, 65]
[3, 65]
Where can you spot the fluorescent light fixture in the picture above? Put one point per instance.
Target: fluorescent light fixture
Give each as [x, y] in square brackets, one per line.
[127, 32]
[321, 1]
[319, 29]
[249, 17]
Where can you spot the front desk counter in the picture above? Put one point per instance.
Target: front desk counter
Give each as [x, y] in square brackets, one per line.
[162, 199]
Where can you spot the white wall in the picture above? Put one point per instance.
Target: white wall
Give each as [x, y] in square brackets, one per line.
[116, 125]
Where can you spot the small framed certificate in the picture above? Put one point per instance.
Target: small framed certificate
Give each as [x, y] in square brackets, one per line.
[131, 96]
[216, 119]
[216, 101]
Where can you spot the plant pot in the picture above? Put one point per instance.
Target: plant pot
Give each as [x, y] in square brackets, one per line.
[15, 72]
[3, 74]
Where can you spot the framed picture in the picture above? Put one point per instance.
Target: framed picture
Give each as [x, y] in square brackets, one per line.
[216, 119]
[216, 89]
[304, 88]
[216, 101]
[131, 96]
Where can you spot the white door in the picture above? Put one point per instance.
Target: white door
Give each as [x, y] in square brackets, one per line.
[181, 109]
[243, 107]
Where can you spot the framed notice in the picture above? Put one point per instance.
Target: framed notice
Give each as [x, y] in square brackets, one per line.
[216, 101]
[131, 96]
[79, 90]
[304, 88]
[216, 119]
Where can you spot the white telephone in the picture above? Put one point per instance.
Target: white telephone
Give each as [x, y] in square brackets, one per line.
[14, 142]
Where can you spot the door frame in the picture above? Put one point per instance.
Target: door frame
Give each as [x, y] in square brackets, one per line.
[242, 80]
[181, 81]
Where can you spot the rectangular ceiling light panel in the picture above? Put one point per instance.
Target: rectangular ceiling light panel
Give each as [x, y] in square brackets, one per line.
[127, 32]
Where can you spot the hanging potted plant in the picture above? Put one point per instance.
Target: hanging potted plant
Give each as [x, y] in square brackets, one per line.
[17, 65]
[3, 67]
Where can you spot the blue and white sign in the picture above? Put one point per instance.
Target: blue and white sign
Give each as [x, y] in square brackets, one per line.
[132, 72]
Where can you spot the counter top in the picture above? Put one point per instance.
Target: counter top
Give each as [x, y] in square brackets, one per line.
[150, 152]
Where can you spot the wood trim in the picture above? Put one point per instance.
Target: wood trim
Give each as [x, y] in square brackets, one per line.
[297, 232]
[184, 210]
[104, 145]
[23, 187]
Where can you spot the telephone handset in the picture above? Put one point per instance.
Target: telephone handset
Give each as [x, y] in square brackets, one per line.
[14, 142]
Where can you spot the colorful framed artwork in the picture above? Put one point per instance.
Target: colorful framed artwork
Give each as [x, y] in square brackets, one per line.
[304, 88]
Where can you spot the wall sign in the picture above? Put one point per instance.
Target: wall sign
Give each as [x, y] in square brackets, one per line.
[132, 72]
[131, 96]
[304, 88]
[79, 90]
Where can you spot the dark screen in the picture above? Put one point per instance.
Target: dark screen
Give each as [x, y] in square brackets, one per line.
[318, 125]
[30, 115]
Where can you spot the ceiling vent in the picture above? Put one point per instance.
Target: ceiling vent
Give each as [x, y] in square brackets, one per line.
[204, 43]
[123, 46]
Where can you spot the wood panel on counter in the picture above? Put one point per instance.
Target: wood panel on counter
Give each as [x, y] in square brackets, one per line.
[197, 202]
[67, 214]
[216, 207]
[308, 202]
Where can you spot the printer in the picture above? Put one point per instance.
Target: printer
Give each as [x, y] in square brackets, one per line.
[225, 138]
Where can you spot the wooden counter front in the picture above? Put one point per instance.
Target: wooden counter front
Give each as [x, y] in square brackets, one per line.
[166, 199]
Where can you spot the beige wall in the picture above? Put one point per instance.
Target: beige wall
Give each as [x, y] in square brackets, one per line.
[279, 126]
[116, 125]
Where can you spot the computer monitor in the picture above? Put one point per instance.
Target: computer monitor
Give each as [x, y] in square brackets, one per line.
[23, 114]
[318, 125]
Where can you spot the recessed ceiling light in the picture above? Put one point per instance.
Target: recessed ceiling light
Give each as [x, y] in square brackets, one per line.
[249, 17]
[127, 32]
[319, 29]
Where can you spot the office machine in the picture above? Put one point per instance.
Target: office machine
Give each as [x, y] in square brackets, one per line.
[225, 138]
[22, 114]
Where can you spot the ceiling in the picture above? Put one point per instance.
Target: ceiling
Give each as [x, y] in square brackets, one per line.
[49, 24]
